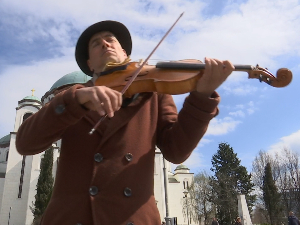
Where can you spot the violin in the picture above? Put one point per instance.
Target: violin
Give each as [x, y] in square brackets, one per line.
[178, 77]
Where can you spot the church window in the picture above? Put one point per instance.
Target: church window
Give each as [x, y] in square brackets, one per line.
[26, 116]
[6, 156]
[185, 184]
[22, 177]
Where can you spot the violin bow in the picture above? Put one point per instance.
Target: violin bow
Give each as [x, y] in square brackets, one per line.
[136, 73]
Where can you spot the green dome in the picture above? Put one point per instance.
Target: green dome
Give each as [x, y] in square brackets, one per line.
[32, 98]
[181, 167]
[76, 77]
[5, 140]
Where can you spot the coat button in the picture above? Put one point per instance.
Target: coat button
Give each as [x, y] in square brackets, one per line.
[98, 157]
[93, 190]
[127, 192]
[129, 157]
[130, 223]
[59, 109]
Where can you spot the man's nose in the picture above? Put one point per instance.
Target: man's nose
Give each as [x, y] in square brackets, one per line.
[105, 43]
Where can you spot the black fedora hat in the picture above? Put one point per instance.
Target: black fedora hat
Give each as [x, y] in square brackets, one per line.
[117, 28]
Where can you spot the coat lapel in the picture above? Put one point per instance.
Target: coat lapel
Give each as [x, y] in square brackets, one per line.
[111, 125]
[124, 115]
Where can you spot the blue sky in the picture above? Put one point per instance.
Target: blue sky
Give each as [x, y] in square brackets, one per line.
[37, 40]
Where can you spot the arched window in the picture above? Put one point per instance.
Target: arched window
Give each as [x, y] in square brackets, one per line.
[185, 184]
[6, 156]
[26, 115]
[22, 177]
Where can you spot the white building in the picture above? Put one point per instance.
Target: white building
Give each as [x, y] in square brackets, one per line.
[19, 174]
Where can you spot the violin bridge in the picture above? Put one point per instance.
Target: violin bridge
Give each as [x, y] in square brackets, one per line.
[141, 62]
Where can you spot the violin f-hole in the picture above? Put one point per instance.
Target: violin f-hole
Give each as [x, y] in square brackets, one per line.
[141, 74]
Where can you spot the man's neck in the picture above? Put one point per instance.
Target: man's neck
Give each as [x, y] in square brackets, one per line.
[109, 66]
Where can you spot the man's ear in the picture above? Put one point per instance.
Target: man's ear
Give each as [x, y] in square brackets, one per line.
[89, 65]
[125, 54]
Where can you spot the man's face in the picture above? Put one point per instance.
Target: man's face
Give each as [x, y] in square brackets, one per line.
[103, 48]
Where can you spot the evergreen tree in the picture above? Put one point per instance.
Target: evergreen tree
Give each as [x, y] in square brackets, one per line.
[230, 179]
[271, 196]
[44, 185]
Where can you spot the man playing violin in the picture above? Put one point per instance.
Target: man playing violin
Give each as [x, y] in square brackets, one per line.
[107, 178]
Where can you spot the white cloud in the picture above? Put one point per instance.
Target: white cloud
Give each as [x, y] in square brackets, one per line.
[222, 126]
[240, 106]
[242, 110]
[291, 142]
[195, 161]
[238, 113]
[239, 89]
[17, 82]
[251, 108]
[203, 142]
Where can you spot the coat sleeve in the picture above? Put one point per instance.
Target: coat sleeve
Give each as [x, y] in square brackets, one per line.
[40, 130]
[178, 135]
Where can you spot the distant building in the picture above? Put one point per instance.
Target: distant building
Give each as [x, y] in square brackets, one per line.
[19, 174]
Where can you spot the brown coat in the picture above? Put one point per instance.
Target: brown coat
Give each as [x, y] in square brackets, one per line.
[96, 182]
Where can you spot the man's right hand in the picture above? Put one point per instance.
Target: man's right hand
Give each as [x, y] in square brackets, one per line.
[101, 99]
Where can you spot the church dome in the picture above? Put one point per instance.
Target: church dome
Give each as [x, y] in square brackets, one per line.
[5, 140]
[182, 167]
[32, 98]
[76, 77]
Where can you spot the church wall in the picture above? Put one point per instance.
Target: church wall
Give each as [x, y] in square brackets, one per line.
[13, 201]
[55, 159]
[11, 188]
[175, 200]
[3, 152]
[175, 190]
[34, 171]
[159, 191]
[3, 165]
[176, 197]
[2, 180]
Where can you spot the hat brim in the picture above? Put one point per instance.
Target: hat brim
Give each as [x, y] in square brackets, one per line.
[117, 28]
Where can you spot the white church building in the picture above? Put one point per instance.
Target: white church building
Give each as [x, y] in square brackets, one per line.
[19, 174]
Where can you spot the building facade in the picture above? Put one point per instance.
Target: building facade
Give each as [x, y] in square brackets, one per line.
[19, 174]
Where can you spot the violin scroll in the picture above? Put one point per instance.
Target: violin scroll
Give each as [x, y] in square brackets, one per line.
[282, 79]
